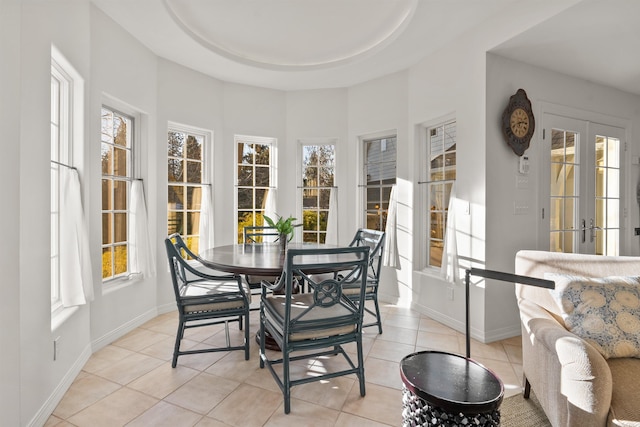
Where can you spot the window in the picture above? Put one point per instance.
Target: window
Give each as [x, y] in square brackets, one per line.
[185, 178]
[61, 113]
[317, 180]
[255, 166]
[441, 149]
[117, 164]
[379, 177]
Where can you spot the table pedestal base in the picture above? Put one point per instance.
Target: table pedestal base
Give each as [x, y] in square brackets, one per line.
[418, 412]
[269, 342]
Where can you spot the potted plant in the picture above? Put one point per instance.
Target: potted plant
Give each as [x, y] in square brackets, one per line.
[284, 227]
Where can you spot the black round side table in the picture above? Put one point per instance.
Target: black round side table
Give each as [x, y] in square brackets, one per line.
[444, 389]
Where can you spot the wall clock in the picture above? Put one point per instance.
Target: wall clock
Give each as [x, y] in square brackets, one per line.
[518, 122]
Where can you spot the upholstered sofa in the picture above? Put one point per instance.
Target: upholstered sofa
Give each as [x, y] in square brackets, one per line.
[575, 384]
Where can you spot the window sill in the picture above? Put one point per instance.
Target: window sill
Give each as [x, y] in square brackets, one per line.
[121, 282]
[60, 316]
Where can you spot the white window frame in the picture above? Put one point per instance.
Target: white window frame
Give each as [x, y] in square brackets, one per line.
[362, 211]
[207, 162]
[273, 168]
[427, 183]
[135, 116]
[67, 126]
[300, 178]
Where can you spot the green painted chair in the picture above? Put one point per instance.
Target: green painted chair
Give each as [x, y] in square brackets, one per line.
[314, 324]
[205, 299]
[374, 239]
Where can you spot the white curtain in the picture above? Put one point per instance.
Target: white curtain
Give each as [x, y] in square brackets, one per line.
[206, 218]
[449, 268]
[270, 204]
[142, 259]
[76, 278]
[270, 211]
[390, 256]
[332, 221]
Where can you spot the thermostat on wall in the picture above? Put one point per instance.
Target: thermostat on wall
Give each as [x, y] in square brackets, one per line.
[523, 165]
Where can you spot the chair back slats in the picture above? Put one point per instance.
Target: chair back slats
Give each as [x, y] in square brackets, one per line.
[257, 234]
[374, 239]
[300, 264]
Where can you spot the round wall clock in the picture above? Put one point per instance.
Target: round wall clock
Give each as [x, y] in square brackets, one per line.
[518, 122]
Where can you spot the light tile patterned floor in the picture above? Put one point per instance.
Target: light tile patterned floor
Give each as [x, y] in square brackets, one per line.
[131, 382]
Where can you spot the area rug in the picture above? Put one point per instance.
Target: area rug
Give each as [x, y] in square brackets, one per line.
[516, 411]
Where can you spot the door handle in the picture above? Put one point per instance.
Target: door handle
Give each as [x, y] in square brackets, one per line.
[583, 228]
[593, 229]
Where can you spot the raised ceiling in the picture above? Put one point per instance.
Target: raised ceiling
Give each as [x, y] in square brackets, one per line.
[312, 44]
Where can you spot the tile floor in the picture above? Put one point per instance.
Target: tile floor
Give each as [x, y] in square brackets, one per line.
[131, 382]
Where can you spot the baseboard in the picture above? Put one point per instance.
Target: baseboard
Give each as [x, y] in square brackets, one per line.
[120, 331]
[41, 417]
[503, 333]
[167, 308]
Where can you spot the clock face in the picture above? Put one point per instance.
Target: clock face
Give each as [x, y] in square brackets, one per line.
[519, 122]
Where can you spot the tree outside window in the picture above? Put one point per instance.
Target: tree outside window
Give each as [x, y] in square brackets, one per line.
[317, 180]
[441, 145]
[116, 153]
[379, 178]
[185, 180]
[254, 179]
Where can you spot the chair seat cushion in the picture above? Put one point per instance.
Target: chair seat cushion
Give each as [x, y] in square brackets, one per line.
[274, 312]
[201, 289]
[352, 290]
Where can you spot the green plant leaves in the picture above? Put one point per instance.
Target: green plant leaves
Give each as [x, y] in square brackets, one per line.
[282, 225]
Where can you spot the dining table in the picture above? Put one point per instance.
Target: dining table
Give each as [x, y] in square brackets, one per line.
[259, 259]
[255, 259]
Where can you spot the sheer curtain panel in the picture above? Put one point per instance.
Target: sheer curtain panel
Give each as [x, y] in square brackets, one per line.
[142, 259]
[76, 279]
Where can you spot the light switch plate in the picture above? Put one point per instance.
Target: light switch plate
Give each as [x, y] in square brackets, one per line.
[520, 207]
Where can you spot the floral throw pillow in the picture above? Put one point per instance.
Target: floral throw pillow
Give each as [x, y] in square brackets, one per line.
[605, 312]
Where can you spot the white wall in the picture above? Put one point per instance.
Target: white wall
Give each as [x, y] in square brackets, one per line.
[453, 83]
[10, 175]
[123, 76]
[65, 24]
[454, 88]
[188, 98]
[380, 107]
[504, 78]
[319, 114]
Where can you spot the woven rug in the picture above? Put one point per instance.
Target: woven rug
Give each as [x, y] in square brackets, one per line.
[516, 411]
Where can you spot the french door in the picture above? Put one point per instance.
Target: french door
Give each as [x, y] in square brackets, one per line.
[581, 186]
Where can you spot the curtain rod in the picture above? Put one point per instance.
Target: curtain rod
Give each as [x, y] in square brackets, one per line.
[64, 164]
[444, 181]
[316, 187]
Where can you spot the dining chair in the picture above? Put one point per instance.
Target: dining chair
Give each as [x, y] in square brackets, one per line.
[373, 239]
[316, 323]
[257, 235]
[205, 299]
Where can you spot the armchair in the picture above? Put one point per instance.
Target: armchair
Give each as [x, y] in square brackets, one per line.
[575, 384]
